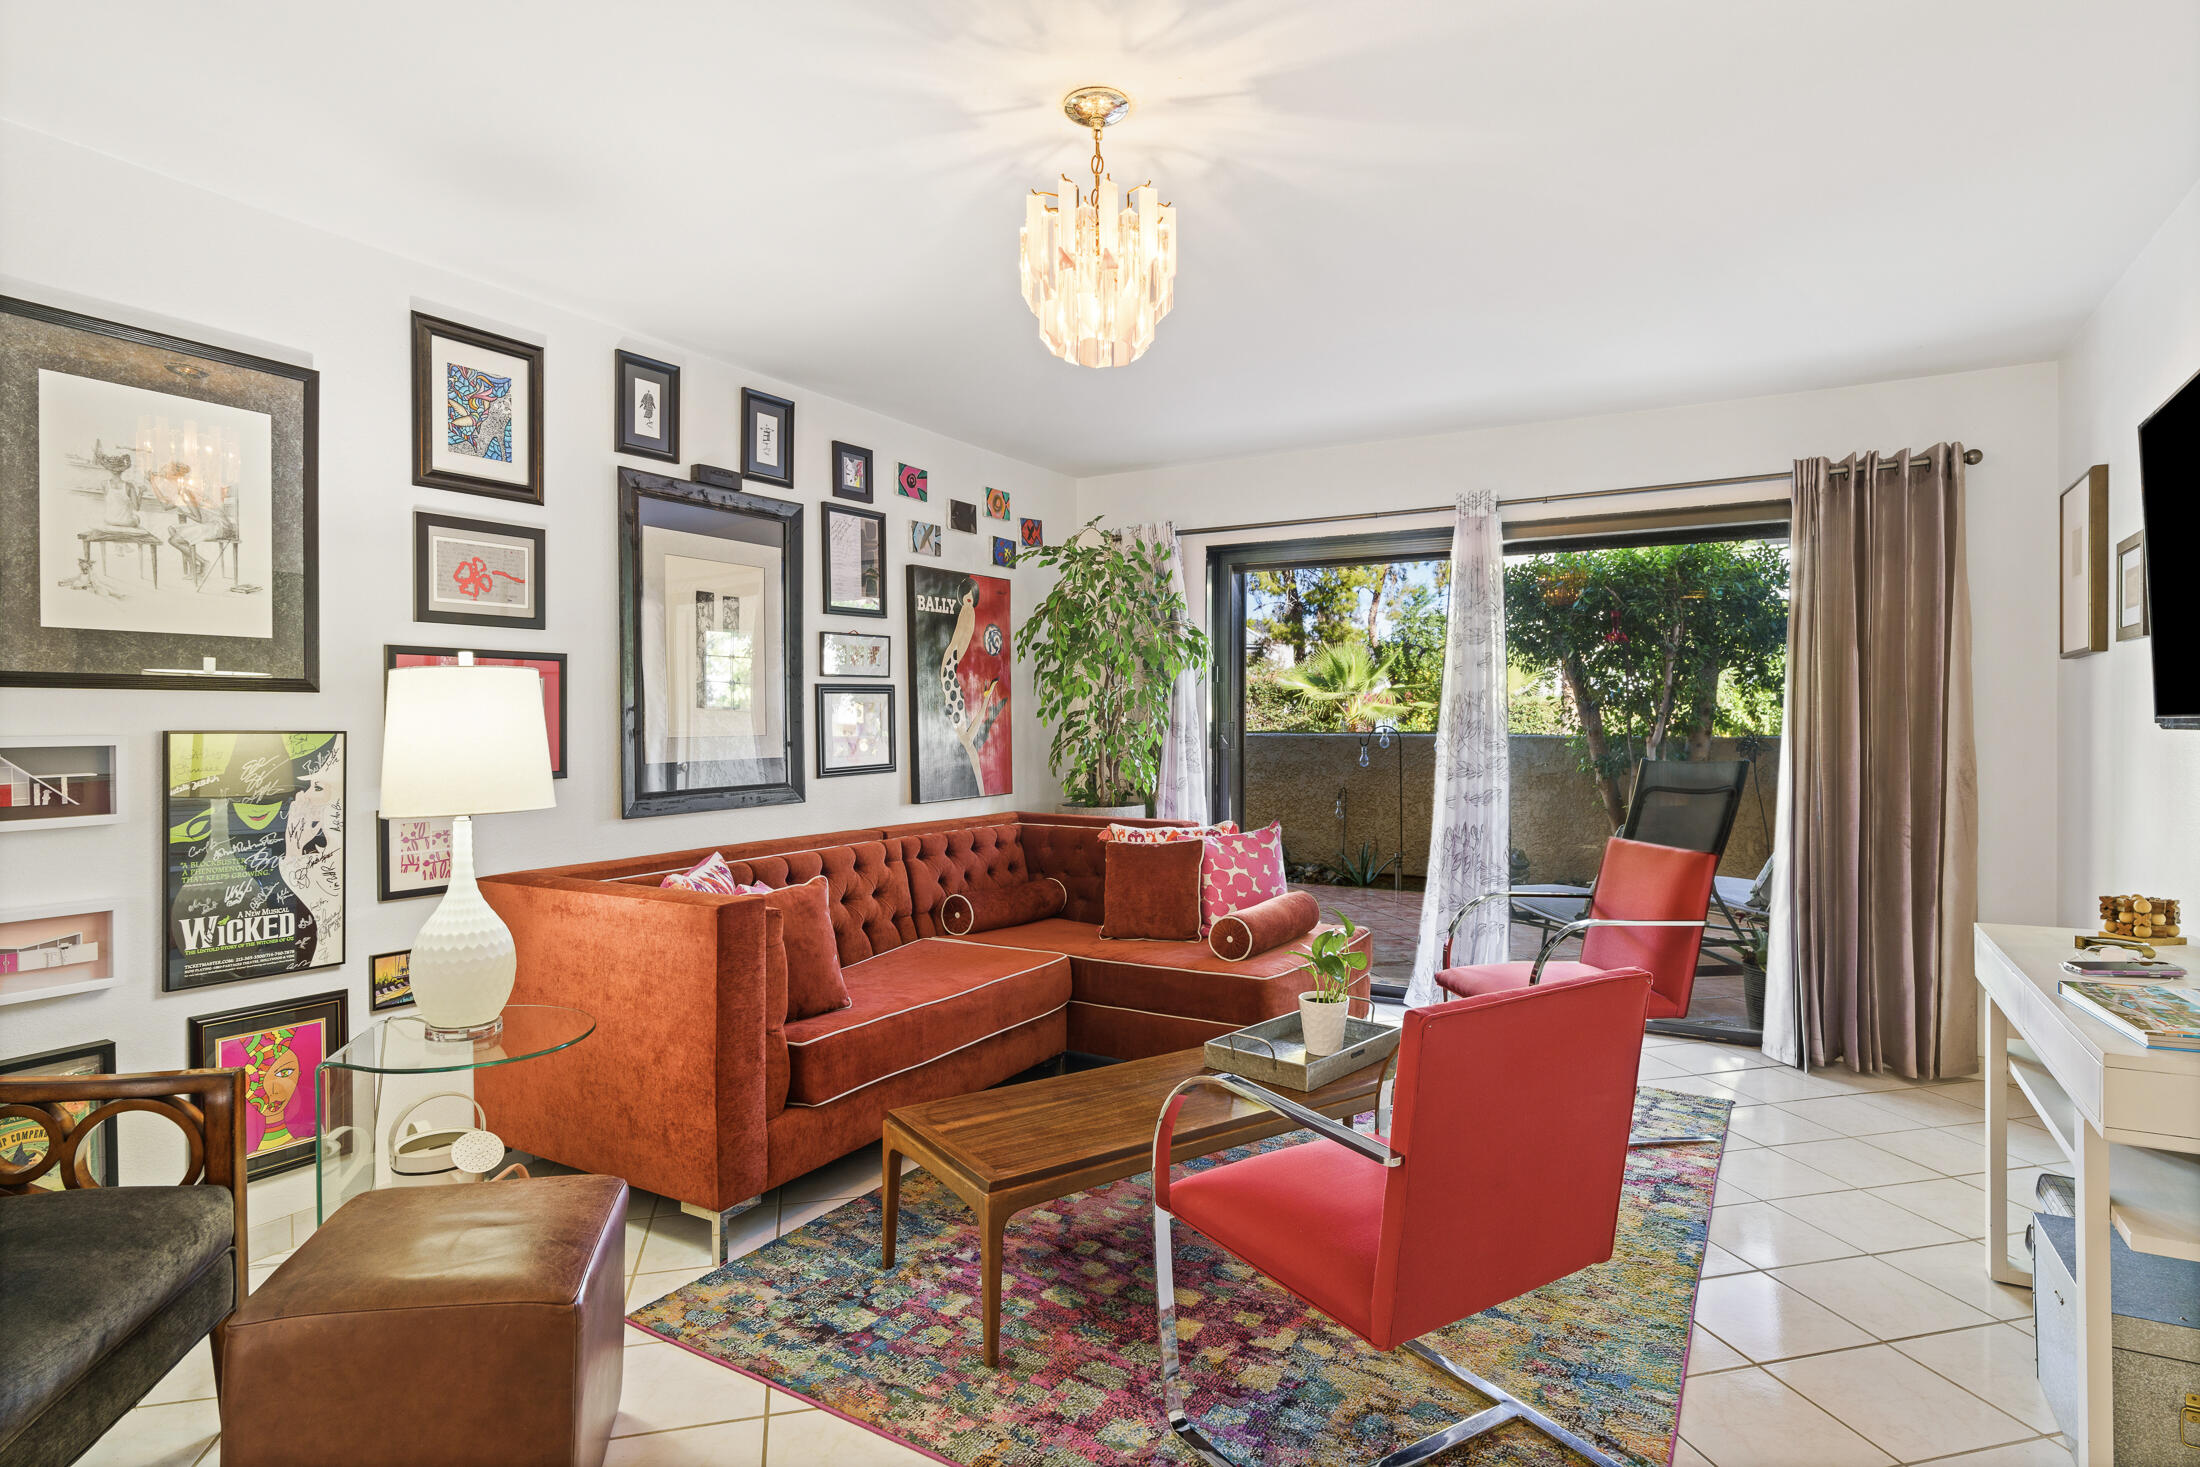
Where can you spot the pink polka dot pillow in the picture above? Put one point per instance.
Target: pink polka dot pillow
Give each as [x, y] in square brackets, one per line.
[1239, 871]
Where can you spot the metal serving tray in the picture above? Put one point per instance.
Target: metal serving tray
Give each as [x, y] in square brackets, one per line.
[1274, 1052]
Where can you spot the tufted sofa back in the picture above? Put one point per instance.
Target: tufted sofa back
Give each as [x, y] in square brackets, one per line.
[942, 863]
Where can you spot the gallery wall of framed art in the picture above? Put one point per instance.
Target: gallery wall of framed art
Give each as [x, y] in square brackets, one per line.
[332, 321]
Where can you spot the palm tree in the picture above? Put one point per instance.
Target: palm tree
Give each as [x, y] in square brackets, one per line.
[1346, 676]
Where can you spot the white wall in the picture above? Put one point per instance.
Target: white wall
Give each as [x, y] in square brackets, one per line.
[94, 234]
[2129, 795]
[2009, 413]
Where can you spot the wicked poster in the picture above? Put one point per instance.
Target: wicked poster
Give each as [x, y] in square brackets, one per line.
[960, 666]
[253, 867]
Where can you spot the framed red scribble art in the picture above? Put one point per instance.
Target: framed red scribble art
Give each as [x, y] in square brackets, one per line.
[476, 572]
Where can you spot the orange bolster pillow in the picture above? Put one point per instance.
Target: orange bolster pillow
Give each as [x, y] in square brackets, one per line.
[1264, 925]
[1003, 906]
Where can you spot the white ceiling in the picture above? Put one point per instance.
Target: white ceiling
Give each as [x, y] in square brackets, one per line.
[1396, 217]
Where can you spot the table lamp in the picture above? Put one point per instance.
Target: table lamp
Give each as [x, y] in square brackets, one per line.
[463, 741]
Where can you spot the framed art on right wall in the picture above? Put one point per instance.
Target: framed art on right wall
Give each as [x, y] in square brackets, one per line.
[2082, 587]
[2133, 620]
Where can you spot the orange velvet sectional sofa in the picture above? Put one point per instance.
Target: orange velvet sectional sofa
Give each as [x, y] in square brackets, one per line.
[695, 1086]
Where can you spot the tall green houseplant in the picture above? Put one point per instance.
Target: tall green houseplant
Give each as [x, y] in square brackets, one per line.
[1106, 645]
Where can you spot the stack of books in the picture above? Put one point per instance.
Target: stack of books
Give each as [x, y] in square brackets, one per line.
[2153, 1014]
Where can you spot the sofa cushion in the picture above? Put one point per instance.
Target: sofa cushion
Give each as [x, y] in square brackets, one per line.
[85, 1270]
[868, 885]
[910, 1006]
[814, 982]
[945, 863]
[1153, 890]
[1263, 926]
[966, 912]
[1074, 855]
[1239, 870]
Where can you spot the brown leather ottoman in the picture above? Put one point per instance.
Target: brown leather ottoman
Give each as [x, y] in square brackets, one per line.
[437, 1326]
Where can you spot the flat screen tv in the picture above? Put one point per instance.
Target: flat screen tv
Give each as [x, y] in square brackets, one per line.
[2169, 498]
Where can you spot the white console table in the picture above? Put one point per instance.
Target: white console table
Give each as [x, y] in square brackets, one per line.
[2127, 1117]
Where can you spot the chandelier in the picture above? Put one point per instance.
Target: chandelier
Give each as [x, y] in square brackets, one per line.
[1098, 272]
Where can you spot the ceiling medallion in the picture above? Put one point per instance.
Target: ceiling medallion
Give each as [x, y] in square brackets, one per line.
[1098, 272]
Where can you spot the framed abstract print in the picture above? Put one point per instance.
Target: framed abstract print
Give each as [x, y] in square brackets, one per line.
[767, 438]
[24, 1142]
[477, 573]
[550, 666]
[911, 482]
[1035, 534]
[413, 856]
[277, 1046]
[648, 423]
[852, 472]
[389, 981]
[962, 516]
[2083, 585]
[710, 647]
[854, 544]
[853, 654]
[252, 833]
[855, 729]
[476, 410]
[1004, 551]
[54, 783]
[2133, 619]
[961, 738]
[924, 538]
[996, 504]
[157, 510]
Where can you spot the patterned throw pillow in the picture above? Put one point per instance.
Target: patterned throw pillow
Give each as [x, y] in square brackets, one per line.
[1239, 871]
[713, 875]
[1154, 835]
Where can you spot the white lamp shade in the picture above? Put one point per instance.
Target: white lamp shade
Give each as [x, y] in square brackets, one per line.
[464, 741]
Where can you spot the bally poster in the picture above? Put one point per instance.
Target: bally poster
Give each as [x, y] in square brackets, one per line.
[960, 664]
[253, 869]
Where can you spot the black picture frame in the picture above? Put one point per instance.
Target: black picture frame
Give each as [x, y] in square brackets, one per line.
[379, 1001]
[32, 654]
[778, 410]
[197, 894]
[825, 693]
[845, 457]
[631, 369]
[426, 330]
[203, 1036]
[774, 528]
[826, 639]
[429, 607]
[560, 716]
[825, 550]
[106, 1138]
[383, 891]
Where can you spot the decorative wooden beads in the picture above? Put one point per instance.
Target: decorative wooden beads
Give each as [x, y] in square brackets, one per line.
[2139, 916]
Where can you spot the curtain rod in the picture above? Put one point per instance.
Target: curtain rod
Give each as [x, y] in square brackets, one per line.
[1970, 456]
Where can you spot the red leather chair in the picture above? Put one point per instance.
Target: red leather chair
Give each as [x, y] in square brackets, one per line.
[1510, 1181]
[1647, 912]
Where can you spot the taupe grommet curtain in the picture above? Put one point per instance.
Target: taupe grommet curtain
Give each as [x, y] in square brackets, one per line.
[1883, 840]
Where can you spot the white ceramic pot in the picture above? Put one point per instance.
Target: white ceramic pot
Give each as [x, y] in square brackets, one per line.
[1323, 1024]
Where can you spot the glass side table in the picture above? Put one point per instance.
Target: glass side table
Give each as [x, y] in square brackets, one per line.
[392, 1065]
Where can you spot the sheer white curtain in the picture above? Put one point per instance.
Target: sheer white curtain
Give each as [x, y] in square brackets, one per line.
[1468, 828]
[1181, 791]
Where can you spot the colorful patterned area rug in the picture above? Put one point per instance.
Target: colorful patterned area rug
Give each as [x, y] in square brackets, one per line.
[1269, 1380]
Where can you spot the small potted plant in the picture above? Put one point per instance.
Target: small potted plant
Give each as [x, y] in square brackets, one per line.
[1322, 1009]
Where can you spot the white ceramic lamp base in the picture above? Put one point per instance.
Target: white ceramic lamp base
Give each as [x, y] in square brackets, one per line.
[464, 961]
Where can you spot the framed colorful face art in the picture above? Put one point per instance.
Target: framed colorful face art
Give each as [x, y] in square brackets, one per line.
[49, 783]
[767, 438]
[855, 729]
[476, 572]
[854, 545]
[550, 666]
[912, 482]
[389, 981]
[414, 854]
[996, 504]
[24, 1142]
[853, 654]
[276, 1045]
[157, 510]
[960, 666]
[477, 411]
[924, 539]
[710, 647]
[252, 855]
[852, 472]
[1004, 551]
[648, 423]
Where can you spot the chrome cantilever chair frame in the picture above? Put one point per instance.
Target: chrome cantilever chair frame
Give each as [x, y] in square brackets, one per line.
[1504, 1406]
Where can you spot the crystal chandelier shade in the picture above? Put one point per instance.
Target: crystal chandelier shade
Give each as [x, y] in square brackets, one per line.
[1098, 271]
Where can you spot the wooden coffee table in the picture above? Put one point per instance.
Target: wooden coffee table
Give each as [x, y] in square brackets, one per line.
[1005, 1150]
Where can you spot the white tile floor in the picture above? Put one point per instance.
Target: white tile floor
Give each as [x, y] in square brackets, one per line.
[1845, 1315]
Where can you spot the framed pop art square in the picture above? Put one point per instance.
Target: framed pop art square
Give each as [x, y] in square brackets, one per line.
[277, 1045]
[852, 472]
[389, 981]
[477, 411]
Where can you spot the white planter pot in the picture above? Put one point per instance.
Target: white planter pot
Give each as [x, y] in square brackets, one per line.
[1106, 812]
[1323, 1024]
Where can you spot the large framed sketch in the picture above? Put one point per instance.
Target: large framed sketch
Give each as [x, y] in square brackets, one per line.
[710, 647]
[157, 510]
[252, 840]
[961, 740]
